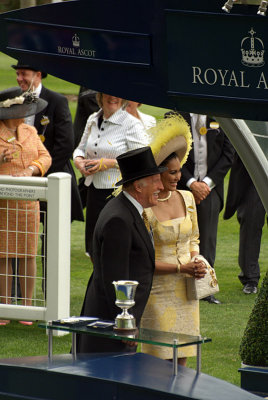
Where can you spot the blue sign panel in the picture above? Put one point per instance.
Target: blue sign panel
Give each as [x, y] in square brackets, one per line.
[232, 63]
[94, 44]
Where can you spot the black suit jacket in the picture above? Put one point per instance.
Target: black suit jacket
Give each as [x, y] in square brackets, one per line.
[122, 250]
[239, 182]
[59, 141]
[219, 158]
[86, 105]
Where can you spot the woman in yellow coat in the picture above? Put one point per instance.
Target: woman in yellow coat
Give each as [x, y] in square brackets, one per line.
[176, 239]
[21, 154]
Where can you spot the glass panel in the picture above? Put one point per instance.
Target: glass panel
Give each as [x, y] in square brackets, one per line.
[142, 336]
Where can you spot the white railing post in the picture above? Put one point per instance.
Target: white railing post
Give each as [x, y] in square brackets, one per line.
[58, 246]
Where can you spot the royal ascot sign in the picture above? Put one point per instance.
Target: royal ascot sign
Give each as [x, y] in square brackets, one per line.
[76, 50]
[79, 43]
[187, 55]
[226, 61]
[252, 56]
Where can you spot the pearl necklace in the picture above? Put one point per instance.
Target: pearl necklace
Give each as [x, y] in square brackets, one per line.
[166, 198]
[10, 129]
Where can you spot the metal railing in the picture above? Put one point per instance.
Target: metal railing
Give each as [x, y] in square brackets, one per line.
[56, 191]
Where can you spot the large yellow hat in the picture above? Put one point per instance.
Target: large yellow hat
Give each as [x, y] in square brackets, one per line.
[170, 135]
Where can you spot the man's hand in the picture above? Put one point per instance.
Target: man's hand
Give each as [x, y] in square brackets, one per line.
[200, 191]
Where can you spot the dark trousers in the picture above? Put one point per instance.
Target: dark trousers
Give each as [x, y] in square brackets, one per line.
[96, 200]
[208, 216]
[251, 216]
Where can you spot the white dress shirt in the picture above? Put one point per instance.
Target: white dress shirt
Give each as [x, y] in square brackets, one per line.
[135, 203]
[118, 134]
[30, 120]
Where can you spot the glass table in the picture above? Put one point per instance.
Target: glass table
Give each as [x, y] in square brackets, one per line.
[153, 337]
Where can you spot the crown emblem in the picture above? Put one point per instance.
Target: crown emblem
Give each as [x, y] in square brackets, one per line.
[76, 40]
[252, 49]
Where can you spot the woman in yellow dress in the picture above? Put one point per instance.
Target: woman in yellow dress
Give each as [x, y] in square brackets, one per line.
[175, 230]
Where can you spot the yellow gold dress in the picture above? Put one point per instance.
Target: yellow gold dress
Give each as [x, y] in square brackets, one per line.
[168, 308]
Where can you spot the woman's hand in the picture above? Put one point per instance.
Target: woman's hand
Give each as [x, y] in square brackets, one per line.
[89, 167]
[29, 171]
[196, 268]
[6, 156]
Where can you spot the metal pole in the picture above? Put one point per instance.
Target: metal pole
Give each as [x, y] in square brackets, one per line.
[175, 357]
[198, 357]
[74, 345]
[50, 344]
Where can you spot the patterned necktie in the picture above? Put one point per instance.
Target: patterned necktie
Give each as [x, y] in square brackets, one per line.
[147, 224]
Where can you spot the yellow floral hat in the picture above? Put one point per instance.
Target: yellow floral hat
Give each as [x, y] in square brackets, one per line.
[170, 135]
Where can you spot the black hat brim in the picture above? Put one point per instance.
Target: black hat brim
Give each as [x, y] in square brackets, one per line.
[18, 111]
[144, 174]
[27, 66]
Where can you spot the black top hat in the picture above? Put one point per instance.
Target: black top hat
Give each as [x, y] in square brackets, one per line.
[137, 164]
[16, 104]
[22, 65]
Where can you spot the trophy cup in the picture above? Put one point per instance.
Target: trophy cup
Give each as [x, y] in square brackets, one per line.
[125, 293]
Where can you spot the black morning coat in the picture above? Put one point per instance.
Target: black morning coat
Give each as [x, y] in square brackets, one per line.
[122, 250]
[59, 141]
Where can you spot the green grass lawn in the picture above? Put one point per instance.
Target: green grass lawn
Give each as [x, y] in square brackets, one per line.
[223, 323]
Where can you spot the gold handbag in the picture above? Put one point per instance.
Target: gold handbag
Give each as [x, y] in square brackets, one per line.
[199, 288]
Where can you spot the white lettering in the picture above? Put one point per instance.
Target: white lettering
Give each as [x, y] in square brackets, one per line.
[214, 76]
[242, 80]
[195, 69]
[263, 81]
[87, 53]
[66, 50]
[223, 76]
[233, 79]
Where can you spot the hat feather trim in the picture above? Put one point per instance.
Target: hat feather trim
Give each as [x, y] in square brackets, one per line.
[167, 130]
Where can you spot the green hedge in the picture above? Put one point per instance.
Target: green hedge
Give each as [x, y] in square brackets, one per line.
[254, 344]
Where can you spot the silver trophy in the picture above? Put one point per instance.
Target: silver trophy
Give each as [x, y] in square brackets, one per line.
[125, 293]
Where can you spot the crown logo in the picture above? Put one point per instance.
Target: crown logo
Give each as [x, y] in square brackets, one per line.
[76, 40]
[252, 49]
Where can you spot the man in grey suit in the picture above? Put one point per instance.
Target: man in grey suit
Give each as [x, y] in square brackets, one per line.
[203, 173]
[122, 247]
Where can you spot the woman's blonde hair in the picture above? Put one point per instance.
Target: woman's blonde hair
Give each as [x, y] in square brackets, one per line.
[100, 103]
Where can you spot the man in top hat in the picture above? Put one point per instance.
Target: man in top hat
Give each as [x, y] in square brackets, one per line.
[55, 129]
[122, 246]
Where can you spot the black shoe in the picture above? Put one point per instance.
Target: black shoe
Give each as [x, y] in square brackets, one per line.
[211, 299]
[250, 288]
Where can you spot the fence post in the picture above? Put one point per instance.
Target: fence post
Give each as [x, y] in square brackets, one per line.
[58, 245]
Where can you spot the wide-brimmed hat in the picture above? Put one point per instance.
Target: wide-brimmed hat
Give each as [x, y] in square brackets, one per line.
[22, 65]
[15, 104]
[170, 135]
[137, 164]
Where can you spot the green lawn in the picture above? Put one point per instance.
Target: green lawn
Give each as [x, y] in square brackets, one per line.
[223, 323]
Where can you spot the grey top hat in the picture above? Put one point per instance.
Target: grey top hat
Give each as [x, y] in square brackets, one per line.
[16, 104]
[137, 164]
[22, 65]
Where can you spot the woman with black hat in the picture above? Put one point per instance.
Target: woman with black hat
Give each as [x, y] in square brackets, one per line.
[21, 154]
